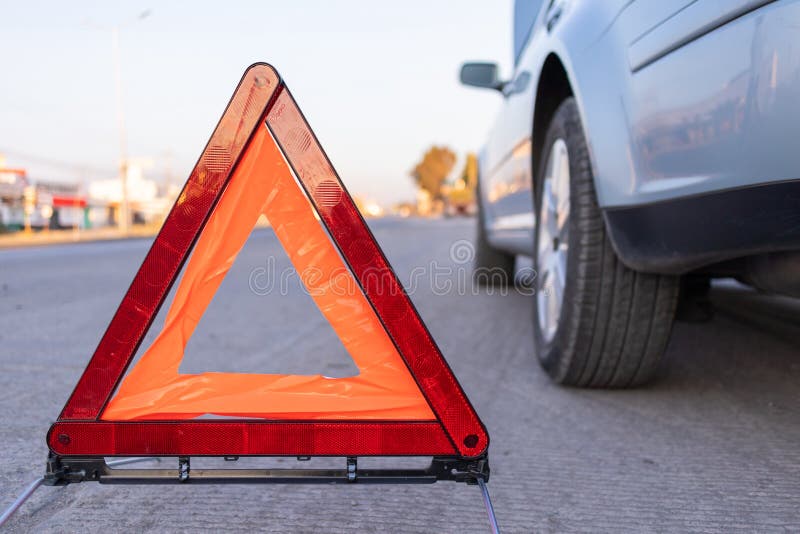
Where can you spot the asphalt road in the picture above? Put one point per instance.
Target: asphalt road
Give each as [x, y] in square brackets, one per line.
[712, 446]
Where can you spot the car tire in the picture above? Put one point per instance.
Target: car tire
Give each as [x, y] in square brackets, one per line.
[613, 323]
[491, 267]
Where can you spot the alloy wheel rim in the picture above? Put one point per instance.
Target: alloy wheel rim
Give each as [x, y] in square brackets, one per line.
[553, 240]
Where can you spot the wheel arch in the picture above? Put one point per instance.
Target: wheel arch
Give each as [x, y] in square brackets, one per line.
[557, 82]
[554, 86]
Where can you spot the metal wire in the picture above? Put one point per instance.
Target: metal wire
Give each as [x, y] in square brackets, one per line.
[125, 461]
[33, 486]
[489, 508]
[21, 499]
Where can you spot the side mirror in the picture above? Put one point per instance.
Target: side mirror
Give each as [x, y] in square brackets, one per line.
[481, 74]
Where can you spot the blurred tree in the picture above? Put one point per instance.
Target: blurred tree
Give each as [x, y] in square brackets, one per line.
[470, 172]
[432, 171]
[460, 195]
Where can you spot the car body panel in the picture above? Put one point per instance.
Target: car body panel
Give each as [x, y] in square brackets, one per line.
[677, 99]
[738, 122]
[506, 166]
[693, 20]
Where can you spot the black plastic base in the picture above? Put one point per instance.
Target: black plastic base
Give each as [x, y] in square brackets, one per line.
[68, 470]
[677, 236]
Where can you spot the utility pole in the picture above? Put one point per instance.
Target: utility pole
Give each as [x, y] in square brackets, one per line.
[124, 206]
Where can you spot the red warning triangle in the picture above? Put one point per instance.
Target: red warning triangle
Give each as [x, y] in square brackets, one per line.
[263, 159]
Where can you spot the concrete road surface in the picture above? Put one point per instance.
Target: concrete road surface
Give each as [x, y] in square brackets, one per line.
[713, 446]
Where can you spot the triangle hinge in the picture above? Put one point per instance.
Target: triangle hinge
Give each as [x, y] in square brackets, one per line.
[58, 473]
[461, 470]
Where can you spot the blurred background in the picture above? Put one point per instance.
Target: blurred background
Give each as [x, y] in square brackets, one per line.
[106, 106]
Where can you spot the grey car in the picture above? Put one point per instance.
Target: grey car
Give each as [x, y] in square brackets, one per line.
[643, 148]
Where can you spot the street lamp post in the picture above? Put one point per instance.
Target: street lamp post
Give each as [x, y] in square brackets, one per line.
[124, 212]
[124, 208]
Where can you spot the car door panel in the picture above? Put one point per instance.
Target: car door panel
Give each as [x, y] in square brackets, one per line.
[686, 25]
[507, 190]
[506, 184]
[707, 113]
[643, 16]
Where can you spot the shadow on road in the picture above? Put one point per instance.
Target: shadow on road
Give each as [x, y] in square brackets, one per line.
[751, 347]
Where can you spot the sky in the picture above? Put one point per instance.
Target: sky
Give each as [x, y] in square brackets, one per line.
[378, 81]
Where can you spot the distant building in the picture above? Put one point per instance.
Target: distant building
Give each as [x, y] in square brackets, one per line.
[368, 208]
[425, 204]
[39, 204]
[105, 197]
[58, 205]
[13, 183]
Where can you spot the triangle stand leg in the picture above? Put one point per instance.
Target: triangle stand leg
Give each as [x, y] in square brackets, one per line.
[33, 486]
[487, 501]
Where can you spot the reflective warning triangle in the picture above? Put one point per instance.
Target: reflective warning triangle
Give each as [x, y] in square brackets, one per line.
[263, 159]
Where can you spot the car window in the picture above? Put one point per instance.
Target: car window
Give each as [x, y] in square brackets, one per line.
[525, 12]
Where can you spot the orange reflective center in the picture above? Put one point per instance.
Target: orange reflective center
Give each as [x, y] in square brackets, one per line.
[384, 389]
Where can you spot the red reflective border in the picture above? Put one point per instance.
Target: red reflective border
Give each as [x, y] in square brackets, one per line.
[259, 96]
[246, 438]
[377, 278]
[171, 247]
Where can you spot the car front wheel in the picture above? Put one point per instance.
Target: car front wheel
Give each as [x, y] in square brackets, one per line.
[597, 323]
